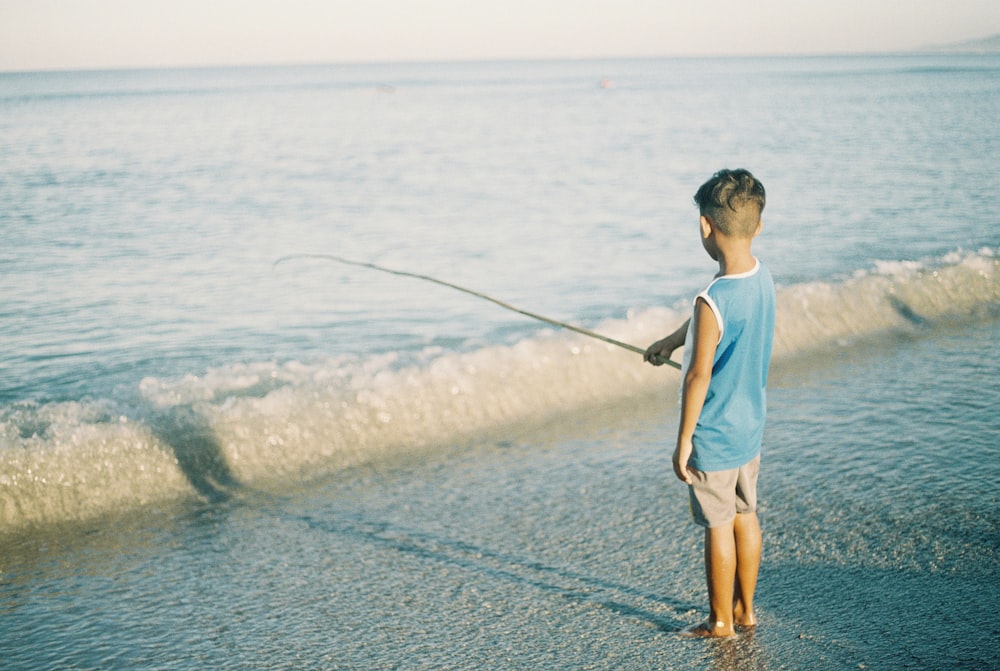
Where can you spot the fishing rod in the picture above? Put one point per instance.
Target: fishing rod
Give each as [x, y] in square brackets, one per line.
[507, 306]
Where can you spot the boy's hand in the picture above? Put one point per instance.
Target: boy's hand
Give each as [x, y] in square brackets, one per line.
[682, 454]
[659, 352]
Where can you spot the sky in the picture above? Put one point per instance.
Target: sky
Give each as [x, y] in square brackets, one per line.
[87, 34]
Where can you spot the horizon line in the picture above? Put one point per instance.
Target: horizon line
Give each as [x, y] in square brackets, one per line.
[961, 49]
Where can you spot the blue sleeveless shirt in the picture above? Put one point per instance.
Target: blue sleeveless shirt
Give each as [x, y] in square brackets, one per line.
[731, 425]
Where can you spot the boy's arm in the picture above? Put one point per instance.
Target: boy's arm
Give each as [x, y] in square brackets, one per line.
[660, 351]
[699, 374]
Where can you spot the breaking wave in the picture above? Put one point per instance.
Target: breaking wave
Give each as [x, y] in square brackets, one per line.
[269, 423]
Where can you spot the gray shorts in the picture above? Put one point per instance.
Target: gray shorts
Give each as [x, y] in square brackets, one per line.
[717, 496]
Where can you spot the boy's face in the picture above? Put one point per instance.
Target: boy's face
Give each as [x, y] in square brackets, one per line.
[708, 237]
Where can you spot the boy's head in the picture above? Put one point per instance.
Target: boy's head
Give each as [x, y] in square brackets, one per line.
[733, 200]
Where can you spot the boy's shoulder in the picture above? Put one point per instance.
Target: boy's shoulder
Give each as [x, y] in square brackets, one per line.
[740, 295]
[759, 272]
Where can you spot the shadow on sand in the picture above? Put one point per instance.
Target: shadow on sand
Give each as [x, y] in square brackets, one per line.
[575, 586]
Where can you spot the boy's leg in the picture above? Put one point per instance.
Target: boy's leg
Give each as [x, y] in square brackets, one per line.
[746, 531]
[711, 495]
[720, 570]
[732, 548]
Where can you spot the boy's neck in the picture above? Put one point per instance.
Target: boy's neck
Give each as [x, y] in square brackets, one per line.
[736, 260]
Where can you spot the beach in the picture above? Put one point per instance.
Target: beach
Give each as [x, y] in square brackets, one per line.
[564, 546]
[209, 461]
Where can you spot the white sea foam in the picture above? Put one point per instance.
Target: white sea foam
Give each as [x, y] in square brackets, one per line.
[265, 423]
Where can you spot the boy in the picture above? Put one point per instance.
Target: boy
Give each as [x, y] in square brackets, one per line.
[727, 351]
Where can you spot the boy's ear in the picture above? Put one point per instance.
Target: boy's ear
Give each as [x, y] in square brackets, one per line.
[707, 226]
[760, 226]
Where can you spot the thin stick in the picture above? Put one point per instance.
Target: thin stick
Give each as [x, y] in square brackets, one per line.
[508, 306]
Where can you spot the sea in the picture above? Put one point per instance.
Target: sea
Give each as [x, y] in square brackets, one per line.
[223, 447]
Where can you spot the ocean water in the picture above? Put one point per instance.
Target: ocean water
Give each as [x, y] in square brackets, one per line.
[209, 461]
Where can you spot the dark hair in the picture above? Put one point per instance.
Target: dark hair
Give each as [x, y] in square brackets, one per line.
[733, 199]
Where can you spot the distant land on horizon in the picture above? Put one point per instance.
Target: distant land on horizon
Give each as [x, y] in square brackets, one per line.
[985, 45]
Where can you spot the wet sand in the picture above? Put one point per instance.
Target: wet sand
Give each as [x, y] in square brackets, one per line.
[563, 547]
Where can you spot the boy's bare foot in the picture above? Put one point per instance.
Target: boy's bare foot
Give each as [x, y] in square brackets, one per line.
[746, 620]
[708, 629]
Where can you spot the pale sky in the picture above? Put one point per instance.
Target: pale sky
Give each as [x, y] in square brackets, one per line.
[80, 34]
